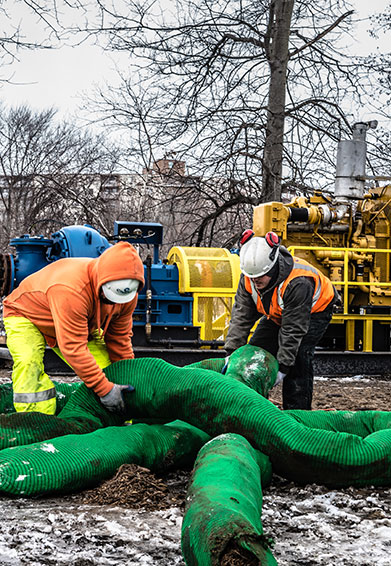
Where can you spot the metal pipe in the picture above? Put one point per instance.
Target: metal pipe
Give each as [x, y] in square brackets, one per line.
[168, 342]
[340, 211]
[298, 214]
[310, 228]
[148, 297]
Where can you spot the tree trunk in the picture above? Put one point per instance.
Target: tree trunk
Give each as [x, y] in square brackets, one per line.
[277, 50]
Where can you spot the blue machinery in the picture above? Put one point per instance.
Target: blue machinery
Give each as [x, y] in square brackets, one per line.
[165, 315]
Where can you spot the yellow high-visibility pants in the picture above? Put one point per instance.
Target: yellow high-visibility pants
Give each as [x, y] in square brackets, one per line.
[97, 347]
[33, 389]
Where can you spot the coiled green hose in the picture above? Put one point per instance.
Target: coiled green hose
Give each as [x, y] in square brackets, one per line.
[215, 403]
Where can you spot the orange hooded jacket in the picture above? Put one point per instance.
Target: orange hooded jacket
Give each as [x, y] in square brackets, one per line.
[62, 301]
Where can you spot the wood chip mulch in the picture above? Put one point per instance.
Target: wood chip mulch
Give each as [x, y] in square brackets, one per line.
[136, 487]
[235, 556]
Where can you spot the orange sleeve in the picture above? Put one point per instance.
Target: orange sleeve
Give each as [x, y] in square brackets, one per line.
[70, 314]
[119, 333]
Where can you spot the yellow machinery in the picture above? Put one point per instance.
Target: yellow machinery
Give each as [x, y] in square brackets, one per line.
[211, 275]
[348, 238]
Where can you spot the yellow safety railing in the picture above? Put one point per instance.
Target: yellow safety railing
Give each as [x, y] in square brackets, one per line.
[211, 275]
[345, 317]
[212, 313]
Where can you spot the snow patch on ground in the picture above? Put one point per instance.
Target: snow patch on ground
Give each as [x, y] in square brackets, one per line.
[311, 526]
[347, 379]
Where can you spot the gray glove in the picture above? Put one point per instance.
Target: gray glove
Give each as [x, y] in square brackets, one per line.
[114, 401]
[279, 378]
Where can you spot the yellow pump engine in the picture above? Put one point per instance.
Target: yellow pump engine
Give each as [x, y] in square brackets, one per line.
[348, 238]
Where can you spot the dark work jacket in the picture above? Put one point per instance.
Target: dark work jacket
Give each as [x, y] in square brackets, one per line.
[295, 318]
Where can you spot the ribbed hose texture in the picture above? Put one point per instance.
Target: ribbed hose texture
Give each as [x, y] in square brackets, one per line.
[224, 503]
[216, 404]
[19, 429]
[75, 462]
[249, 364]
[82, 413]
[361, 423]
[310, 451]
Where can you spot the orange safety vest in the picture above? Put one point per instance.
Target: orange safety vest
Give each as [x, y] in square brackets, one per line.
[323, 293]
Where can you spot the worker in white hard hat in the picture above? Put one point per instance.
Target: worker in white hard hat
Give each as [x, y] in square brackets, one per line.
[294, 302]
[82, 308]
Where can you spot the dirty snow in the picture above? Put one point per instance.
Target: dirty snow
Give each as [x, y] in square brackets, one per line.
[316, 526]
[62, 532]
[311, 526]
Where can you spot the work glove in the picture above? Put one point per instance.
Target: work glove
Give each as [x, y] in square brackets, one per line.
[114, 401]
[279, 378]
[225, 366]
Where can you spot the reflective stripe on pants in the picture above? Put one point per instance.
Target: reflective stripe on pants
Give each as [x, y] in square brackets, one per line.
[33, 389]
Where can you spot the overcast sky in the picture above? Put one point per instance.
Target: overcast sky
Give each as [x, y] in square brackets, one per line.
[62, 77]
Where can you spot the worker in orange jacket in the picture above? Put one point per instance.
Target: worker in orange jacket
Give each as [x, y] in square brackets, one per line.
[82, 308]
[294, 302]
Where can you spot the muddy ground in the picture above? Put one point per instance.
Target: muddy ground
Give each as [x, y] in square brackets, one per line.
[135, 518]
[356, 393]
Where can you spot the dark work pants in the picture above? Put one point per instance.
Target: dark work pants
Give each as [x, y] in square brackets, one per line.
[297, 386]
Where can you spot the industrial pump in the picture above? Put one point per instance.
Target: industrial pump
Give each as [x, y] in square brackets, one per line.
[187, 298]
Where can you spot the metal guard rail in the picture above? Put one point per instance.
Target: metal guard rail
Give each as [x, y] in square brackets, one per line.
[345, 316]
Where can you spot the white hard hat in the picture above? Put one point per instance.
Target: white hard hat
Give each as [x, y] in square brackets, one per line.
[120, 290]
[257, 256]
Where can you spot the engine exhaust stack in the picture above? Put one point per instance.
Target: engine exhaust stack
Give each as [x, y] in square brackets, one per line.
[351, 157]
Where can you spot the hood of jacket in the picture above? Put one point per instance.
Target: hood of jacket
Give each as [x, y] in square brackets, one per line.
[120, 261]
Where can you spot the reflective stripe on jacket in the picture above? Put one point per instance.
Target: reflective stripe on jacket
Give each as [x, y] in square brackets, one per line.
[323, 292]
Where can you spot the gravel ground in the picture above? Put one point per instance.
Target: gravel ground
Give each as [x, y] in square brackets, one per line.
[311, 525]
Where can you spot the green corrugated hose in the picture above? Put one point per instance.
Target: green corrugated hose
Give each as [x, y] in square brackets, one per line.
[216, 404]
[250, 365]
[75, 462]
[82, 413]
[224, 503]
[360, 423]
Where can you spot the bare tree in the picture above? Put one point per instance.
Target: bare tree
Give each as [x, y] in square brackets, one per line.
[16, 36]
[50, 174]
[252, 93]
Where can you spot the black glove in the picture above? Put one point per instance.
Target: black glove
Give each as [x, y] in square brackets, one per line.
[114, 401]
